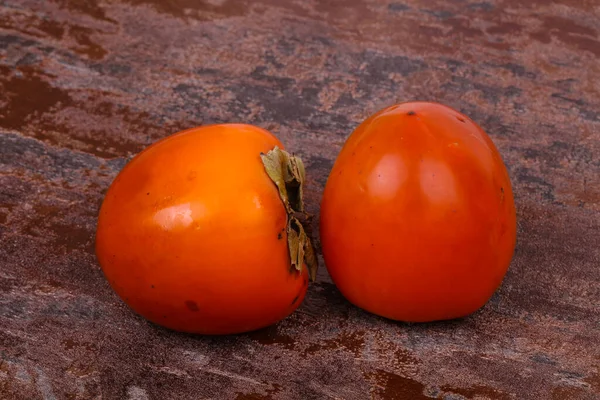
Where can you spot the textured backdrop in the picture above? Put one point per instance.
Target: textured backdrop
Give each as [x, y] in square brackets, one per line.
[86, 84]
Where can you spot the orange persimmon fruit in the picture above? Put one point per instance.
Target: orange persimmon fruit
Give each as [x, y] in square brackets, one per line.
[417, 218]
[198, 232]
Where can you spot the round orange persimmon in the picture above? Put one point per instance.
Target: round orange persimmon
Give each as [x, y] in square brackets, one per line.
[196, 232]
[418, 220]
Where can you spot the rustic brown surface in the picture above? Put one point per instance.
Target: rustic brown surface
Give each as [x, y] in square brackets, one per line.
[86, 84]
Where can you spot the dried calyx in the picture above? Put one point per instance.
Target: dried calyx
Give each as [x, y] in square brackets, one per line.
[287, 172]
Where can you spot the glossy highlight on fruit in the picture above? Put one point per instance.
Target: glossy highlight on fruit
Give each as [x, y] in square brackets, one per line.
[418, 219]
[197, 232]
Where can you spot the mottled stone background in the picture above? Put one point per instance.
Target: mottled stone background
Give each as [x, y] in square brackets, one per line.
[86, 84]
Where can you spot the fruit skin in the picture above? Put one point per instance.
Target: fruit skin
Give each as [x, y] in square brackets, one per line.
[192, 234]
[417, 218]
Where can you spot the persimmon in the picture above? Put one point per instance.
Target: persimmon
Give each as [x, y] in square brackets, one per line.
[417, 218]
[198, 232]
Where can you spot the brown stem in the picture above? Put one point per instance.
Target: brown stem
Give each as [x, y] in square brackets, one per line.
[288, 174]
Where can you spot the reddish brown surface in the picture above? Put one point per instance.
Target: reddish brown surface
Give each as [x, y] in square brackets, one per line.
[85, 84]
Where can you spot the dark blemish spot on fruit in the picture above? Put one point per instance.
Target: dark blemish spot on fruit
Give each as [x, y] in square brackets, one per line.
[164, 316]
[502, 193]
[411, 113]
[279, 236]
[152, 286]
[148, 194]
[461, 119]
[295, 299]
[379, 175]
[372, 244]
[191, 305]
